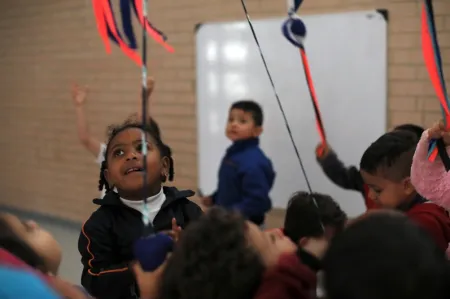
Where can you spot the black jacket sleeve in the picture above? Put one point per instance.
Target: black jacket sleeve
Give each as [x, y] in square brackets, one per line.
[102, 276]
[345, 177]
[192, 211]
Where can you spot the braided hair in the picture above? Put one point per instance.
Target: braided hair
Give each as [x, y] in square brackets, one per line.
[153, 130]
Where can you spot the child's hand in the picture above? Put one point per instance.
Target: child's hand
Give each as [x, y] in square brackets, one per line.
[150, 86]
[322, 150]
[207, 201]
[175, 232]
[438, 131]
[79, 94]
[148, 282]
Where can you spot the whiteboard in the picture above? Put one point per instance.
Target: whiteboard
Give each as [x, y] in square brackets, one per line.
[348, 60]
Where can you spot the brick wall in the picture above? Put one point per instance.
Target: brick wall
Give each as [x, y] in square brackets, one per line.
[48, 44]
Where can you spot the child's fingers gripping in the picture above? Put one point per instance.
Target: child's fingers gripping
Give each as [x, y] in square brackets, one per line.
[322, 150]
[435, 132]
[441, 125]
[174, 224]
[150, 87]
[176, 229]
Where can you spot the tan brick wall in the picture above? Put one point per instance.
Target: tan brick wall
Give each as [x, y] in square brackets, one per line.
[45, 45]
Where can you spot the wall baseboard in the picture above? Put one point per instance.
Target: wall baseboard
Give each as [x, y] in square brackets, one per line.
[41, 217]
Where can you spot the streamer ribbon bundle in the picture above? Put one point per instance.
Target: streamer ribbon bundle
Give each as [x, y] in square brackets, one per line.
[433, 62]
[109, 31]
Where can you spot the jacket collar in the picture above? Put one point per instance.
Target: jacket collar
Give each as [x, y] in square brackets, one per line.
[240, 145]
[418, 199]
[309, 260]
[111, 198]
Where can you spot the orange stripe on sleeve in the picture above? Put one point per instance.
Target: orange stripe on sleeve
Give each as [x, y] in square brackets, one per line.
[93, 257]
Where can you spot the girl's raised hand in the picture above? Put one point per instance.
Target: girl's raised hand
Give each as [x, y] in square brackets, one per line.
[79, 94]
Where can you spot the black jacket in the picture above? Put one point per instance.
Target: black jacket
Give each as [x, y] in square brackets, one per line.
[107, 237]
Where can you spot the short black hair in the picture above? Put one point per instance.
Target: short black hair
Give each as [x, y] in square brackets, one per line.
[152, 129]
[250, 107]
[385, 256]
[304, 218]
[213, 259]
[17, 247]
[418, 130]
[390, 155]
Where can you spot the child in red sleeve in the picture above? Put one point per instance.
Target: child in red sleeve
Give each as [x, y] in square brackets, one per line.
[350, 177]
[385, 168]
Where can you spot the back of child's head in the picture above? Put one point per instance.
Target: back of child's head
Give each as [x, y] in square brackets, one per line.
[213, 259]
[11, 242]
[153, 136]
[251, 107]
[417, 130]
[385, 256]
[390, 156]
[302, 216]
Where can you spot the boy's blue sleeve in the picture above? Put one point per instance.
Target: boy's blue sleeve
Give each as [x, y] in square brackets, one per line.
[256, 186]
[214, 196]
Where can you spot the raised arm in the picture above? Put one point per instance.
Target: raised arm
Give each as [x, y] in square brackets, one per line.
[150, 88]
[343, 176]
[92, 144]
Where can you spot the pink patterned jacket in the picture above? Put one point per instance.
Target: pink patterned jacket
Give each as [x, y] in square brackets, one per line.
[430, 179]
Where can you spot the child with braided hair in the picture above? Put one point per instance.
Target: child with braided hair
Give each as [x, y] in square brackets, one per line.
[90, 142]
[107, 237]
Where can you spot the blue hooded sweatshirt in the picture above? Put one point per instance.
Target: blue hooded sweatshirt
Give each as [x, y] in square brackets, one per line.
[246, 177]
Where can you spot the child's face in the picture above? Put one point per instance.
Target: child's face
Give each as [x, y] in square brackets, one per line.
[268, 245]
[241, 125]
[39, 240]
[389, 194]
[126, 165]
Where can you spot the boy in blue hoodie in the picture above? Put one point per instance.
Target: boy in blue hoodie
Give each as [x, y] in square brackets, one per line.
[246, 175]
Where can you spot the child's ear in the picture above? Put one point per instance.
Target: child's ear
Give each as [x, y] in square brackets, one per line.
[257, 131]
[165, 166]
[408, 186]
[302, 242]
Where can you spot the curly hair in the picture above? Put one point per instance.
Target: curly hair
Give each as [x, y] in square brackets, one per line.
[391, 155]
[213, 260]
[302, 215]
[152, 130]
